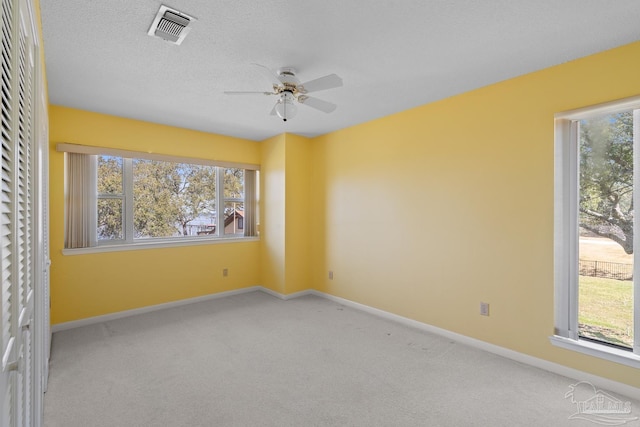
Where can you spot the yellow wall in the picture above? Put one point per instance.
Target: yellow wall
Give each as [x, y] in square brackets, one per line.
[272, 208]
[95, 284]
[428, 212]
[286, 206]
[298, 210]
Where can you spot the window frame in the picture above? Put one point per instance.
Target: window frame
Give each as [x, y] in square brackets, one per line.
[122, 196]
[128, 242]
[566, 235]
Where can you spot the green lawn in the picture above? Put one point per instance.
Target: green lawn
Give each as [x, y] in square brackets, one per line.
[606, 310]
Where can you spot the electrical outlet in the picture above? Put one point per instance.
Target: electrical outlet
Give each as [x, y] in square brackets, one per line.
[225, 272]
[484, 308]
[330, 275]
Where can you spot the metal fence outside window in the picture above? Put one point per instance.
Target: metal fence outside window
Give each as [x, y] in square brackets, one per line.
[606, 270]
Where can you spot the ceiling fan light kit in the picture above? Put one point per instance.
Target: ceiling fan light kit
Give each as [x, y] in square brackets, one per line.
[285, 108]
[290, 91]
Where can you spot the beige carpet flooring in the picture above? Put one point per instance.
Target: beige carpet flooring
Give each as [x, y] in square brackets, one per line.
[255, 360]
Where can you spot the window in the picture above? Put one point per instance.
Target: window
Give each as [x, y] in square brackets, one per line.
[110, 198]
[596, 181]
[116, 199]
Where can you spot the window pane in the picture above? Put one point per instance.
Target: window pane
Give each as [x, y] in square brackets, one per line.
[606, 229]
[233, 209]
[110, 198]
[109, 175]
[233, 183]
[171, 199]
[234, 218]
[110, 219]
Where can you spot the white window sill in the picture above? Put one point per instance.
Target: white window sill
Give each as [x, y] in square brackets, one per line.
[597, 350]
[157, 244]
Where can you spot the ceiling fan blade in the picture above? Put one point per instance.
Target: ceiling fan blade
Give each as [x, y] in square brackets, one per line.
[322, 83]
[241, 92]
[318, 104]
[273, 78]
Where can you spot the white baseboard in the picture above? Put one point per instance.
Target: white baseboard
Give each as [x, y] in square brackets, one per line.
[599, 382]
[286, 297]
[126, 313]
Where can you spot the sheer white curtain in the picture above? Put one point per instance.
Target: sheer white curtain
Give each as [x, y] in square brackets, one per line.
[81, 200]
[250, 202]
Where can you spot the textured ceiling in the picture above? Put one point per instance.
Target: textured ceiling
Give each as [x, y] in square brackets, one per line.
[391, 54]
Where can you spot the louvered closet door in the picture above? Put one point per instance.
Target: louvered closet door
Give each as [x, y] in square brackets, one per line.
[24, 209]
[8, 320]
[16, 210]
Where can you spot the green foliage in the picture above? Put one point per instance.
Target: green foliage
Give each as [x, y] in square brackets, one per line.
[606, 177]
[233, 183]
[606, 310]
[109, 209]
[166, 196]
[110, 219]
[110, 173]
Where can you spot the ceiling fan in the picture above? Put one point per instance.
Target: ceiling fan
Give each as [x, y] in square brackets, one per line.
[289, 90]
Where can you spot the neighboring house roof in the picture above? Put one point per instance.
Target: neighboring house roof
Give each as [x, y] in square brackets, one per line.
[238, 214]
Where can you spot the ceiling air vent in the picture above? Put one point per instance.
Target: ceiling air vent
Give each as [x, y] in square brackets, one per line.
[170, 25]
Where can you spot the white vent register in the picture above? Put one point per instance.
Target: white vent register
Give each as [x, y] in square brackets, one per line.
[170, 25]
